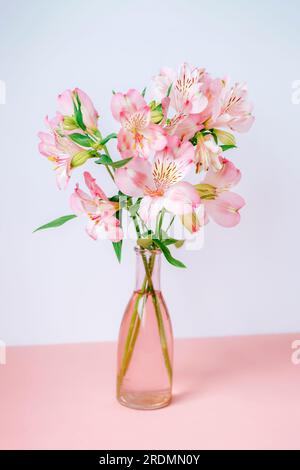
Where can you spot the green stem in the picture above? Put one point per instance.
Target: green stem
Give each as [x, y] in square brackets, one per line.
[132, 334]
[107, 153]
[135, 321]
[159, 318]
[171, 222]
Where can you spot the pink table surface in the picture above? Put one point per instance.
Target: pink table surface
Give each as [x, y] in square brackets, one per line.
[235, 392]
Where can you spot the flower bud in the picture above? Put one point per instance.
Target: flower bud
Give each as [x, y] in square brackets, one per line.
[80, 158]
[69, 123]
[156, 112]
[224, 137]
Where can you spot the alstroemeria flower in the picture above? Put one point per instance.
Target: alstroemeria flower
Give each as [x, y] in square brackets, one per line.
[185, 89]
[99, 210]
[221, 204]
[60, 151]
[182, 125]
[212, 89]
[160, 183]
[66, 109]
[207, 154]
[234, 110]
[138, 136]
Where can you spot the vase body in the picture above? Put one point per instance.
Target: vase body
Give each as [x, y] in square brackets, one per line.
[145, 346]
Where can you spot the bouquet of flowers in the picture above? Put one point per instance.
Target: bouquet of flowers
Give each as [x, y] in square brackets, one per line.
[187, 125]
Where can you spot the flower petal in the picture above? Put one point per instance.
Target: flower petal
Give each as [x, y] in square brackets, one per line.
[126, 145]
[62, 173]
[47, 145]
[95, 190]
[155, 136]
[224, 209]
[89, 113]
[134, 178]
[65, 103]
[81, 202]
[150, 207]
[188, 127]
[106, 228]
[127, 103]
[181, 198]
[228, 176]
[161, 83]
[173, 162]
[113, 230]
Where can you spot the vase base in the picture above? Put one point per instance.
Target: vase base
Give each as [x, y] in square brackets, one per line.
[145, 400]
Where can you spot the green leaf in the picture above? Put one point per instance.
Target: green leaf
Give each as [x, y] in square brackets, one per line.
[170, 241]
[193, 140]
[118, 245]
[144, 92]
[120, 163]
[169, 89]
[214, 136]
[227, 147]
[167, 254]
[78, 113]
[118, 249]
[107, 138]
[81, 139]
[56, 222]
[104, 160]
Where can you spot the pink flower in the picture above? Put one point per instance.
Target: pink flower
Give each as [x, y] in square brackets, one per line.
[183, 126]
[138, 136]
[186, 94]
[212, 89]
[59, 150]
[220, 203]
[99, 210]
[207, 154]
[160, 184]
[234, 111]
[66, 107]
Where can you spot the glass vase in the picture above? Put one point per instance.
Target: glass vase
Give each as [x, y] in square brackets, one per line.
[145, 346]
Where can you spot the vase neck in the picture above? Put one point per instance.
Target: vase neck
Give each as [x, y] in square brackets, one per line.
[147, 264]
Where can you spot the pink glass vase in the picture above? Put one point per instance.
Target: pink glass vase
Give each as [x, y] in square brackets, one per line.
[145, 347]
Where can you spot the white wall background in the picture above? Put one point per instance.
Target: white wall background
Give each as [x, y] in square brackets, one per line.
[60, 286]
